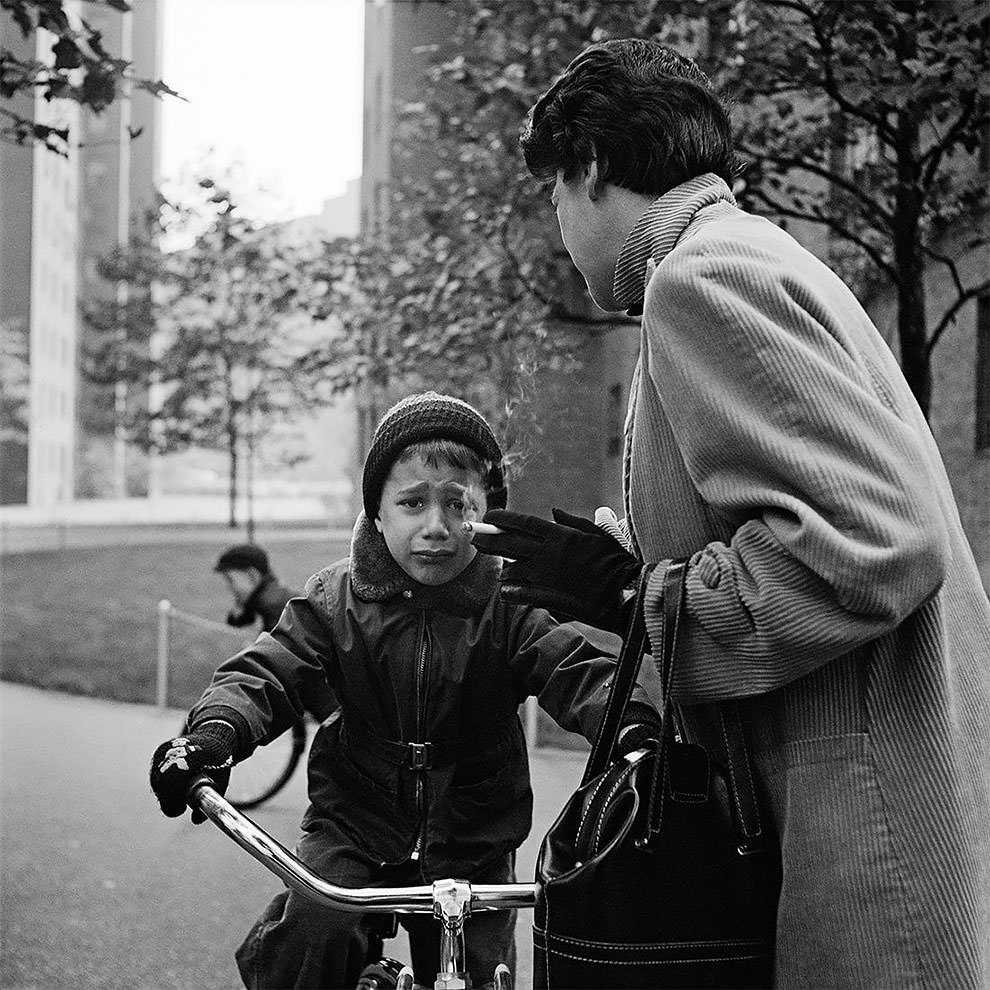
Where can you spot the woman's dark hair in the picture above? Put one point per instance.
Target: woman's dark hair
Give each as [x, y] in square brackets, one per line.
[647, 115]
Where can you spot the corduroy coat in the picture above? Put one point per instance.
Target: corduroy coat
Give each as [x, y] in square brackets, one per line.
[772, 440]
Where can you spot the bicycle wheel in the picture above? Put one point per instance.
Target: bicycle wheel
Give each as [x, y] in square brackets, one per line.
[268, 769]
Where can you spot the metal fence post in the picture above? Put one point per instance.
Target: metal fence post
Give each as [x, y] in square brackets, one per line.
[164, 615]
[531, 721]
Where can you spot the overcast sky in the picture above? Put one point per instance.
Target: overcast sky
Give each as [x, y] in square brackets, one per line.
[275, 85]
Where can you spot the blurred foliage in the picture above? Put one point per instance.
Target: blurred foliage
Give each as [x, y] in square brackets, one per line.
[14, 381]
[15, 390]
[867, 119]
[76, 66]
[863, 118]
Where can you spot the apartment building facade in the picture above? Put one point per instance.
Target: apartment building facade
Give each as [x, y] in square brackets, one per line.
[58, 215]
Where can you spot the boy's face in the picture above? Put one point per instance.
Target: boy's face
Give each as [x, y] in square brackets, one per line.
[421, 517]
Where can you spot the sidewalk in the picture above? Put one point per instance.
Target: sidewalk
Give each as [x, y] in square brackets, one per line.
[100, 890]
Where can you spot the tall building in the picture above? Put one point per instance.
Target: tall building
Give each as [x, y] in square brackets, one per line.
[119, 172]
[39, 195]
[57, 215]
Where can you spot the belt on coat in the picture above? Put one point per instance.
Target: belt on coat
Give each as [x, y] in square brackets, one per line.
[431, 754]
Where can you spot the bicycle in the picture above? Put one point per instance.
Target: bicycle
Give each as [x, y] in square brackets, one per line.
[448, 900]
[269, 768]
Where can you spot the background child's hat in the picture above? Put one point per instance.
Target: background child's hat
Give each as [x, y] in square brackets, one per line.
[430, 416]
[241, 557]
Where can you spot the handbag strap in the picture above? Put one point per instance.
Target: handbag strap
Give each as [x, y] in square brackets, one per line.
[742, 786]
[621, 688]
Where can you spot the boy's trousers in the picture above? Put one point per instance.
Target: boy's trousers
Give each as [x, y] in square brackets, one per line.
[297, 943]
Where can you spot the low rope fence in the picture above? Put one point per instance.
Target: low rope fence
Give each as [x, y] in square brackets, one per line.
[168, 614]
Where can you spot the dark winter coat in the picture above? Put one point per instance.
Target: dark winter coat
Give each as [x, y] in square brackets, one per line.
[428, 756]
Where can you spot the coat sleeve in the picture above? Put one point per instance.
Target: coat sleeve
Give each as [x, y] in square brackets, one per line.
[265, 687]
[789, 434]
[570, 674]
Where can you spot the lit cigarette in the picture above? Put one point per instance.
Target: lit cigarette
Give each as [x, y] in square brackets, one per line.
[486, 529]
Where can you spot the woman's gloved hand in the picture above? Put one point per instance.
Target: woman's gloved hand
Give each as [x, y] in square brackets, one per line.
[208, 748]
[570, 566]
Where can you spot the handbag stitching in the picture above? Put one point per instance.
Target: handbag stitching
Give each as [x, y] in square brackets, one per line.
[668, 709]
[694, 797]
[752, 786]
[651, 962]
[735, 788]
[726, 952]
[650, 830]
[613, 698]
[548, 953]
[635, 946]
[586, 810]
[601, 817]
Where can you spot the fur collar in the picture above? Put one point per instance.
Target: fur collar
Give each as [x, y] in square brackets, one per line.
[376, 577]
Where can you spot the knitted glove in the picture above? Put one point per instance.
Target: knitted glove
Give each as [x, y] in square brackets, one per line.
[569, 566]
[207, 748]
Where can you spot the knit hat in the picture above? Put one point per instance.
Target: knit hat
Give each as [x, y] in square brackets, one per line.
[430, 416]
[241, 557]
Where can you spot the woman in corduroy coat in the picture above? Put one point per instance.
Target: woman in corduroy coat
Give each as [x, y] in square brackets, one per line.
[772, 441]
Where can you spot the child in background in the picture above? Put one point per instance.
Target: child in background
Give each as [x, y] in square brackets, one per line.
[425, 773]
[258, 595]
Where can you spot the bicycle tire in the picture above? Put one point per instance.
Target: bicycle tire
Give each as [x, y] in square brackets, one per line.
[268, 769]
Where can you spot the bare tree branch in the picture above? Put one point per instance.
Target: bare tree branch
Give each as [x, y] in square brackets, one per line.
[949, 316]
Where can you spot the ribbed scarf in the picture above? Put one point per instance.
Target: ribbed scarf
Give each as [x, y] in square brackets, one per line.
[657, 232]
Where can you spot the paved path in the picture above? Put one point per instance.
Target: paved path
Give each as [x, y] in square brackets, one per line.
[99, 890]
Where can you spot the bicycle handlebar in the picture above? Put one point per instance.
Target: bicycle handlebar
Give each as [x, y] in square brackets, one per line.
[379, 900]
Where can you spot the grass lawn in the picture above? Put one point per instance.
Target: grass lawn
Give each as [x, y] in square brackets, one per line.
[85, 619]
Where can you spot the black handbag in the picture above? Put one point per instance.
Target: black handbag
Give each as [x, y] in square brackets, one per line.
[659, 871]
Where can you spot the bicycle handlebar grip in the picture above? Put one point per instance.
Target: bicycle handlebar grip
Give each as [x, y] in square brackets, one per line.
[200, 781]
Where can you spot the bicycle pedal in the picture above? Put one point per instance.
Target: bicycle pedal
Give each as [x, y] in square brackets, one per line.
[383, 974]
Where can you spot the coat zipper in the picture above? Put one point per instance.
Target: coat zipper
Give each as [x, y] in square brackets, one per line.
[422, 680]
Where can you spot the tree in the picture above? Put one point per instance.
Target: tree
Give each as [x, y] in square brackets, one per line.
[437, 314]
[866, 118]
[80, 69]
[212, 332]
[459, 285]
[906, 78]
[15, 387]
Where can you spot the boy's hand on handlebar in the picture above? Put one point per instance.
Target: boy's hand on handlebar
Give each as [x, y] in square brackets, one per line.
[568, 566]
[207, 748]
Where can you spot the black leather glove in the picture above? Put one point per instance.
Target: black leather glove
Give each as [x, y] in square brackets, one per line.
[569, 566]
[642, 727]
[638, 735]
[208, 748]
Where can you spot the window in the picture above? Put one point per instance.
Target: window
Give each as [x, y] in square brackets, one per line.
[983, 373]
